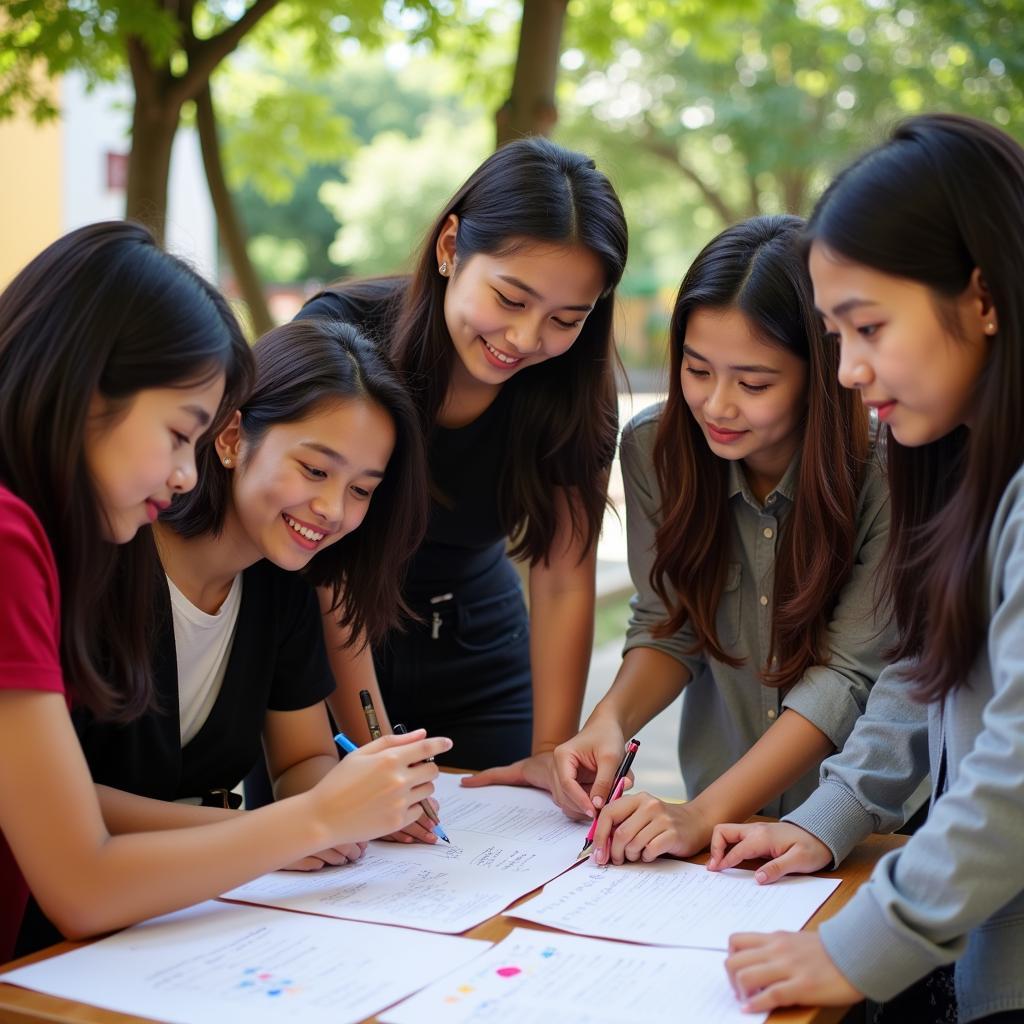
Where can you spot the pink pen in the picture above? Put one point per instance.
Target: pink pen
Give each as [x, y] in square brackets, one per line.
[620, 784]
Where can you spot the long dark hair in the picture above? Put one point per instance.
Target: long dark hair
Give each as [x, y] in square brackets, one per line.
[943, 196]
[565, 409]
[302, 367]
[102, 310]
[757, 268]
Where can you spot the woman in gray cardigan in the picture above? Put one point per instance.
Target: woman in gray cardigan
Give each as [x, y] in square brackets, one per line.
[917, 258]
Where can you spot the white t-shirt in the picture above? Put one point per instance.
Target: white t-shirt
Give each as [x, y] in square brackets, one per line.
[203, 644]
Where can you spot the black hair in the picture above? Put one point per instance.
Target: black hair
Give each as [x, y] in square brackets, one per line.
[564, 409]
[942, 196]
[301, 367]
[104, 311]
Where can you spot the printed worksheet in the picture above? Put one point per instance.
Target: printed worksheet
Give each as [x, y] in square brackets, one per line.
[505, 842]
[673, 903]
[538, 977]
[218, 962]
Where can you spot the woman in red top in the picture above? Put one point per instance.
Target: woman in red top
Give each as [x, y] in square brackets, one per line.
[114, 359]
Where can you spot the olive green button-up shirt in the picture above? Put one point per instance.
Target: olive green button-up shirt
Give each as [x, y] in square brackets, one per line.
[725, 709]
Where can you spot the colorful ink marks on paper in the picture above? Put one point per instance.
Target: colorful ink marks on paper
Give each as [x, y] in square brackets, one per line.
[266, 983]
[507, 971]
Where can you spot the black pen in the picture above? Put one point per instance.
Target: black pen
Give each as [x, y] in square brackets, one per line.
[371, 715]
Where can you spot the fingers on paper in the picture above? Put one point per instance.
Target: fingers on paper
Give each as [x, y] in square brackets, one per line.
[504, 775]
[421, 830]
[733, 844]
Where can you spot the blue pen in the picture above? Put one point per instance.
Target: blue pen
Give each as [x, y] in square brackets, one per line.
[348, 746]
[345, 743]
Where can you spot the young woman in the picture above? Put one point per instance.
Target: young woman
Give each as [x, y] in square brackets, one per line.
[114, 359]
[916, 254]
[755, 521]
[505, 332]
[327, 444]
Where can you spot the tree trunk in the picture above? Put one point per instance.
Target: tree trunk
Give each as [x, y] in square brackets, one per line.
[530, 108]
[154, 123]
[794, 191]
[229, 223]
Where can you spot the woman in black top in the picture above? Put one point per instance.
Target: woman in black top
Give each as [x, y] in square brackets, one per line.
[504, 331]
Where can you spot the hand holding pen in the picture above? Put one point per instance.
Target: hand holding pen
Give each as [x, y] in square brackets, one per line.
[373, 724]
[377, 790]
[618, 784]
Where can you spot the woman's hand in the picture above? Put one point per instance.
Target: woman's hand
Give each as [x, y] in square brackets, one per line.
[347, 853]
[787, 848]
[420, 831]
[376, 789]
[641, 827]
[585, 766]
[537, 771]
[783, 969]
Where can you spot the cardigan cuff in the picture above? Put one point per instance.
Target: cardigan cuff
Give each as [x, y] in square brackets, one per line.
[878, 955]
[836, 817]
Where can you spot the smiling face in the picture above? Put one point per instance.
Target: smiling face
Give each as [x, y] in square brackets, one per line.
[307, 483]
[141, 453]
[747, 395]
[917, 365]
[505, 313]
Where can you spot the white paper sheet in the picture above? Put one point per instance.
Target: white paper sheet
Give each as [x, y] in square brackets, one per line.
[216, 963]
[673, 903]
[537, 977]
[505, 842]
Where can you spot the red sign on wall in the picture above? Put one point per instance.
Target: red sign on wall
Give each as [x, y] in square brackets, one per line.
[117, 172]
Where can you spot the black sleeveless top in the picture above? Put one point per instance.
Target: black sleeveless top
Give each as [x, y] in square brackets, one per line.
[465, 538]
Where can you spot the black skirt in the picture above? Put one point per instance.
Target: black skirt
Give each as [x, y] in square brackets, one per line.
[463, 670]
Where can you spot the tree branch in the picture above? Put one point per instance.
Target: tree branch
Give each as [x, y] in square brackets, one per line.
[205, 55]
[668, 152]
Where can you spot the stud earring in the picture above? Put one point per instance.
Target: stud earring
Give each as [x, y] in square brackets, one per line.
[990, 328]
[227, 462]
[443, 269]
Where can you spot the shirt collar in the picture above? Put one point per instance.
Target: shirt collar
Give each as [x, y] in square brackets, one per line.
[786, 487]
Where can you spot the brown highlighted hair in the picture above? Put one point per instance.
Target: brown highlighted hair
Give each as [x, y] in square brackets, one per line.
[757, 268]
[565, 410]
[301, 368]
[104, 311]
[943, 196]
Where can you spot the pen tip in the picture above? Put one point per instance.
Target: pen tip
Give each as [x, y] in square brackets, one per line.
[586, 849]
[439, 832]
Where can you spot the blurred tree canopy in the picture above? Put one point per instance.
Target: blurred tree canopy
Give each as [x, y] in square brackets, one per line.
[702, 114]
[755, 114]
[170, 50]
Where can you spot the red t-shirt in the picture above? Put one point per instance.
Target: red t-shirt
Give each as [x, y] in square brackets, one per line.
[29, 656]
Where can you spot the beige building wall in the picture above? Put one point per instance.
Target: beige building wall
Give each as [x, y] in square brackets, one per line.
[31, 214]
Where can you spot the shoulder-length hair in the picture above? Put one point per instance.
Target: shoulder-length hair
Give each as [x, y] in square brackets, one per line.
[943, 196]
[103, 311]
[565, 409]
[757, 268]
[301, 368]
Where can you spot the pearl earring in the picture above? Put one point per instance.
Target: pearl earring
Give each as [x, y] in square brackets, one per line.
[990, 328]
[443, 269]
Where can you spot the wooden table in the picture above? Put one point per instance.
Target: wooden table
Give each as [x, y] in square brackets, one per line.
[22, 1005]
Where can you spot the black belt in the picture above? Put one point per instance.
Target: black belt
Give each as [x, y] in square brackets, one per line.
[222, 798]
